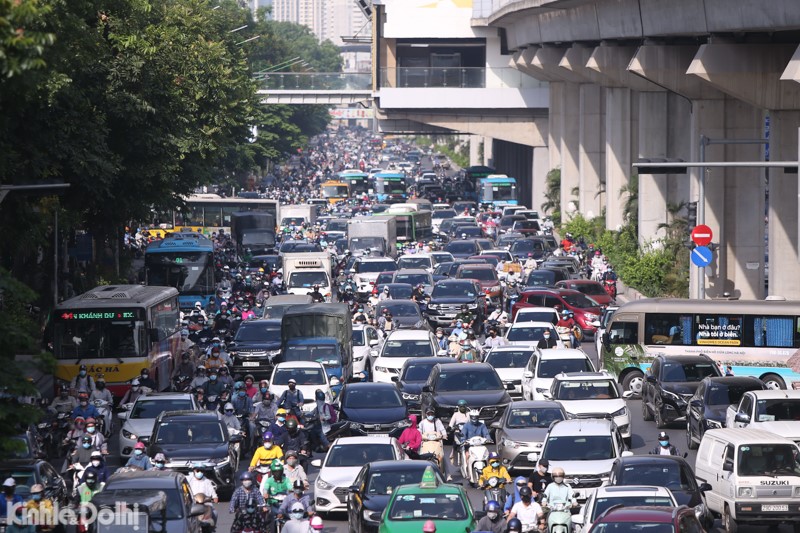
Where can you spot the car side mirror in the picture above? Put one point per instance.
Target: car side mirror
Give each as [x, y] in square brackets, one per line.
[527, 374]
[373, 342]
[233, 439]
[509, 386]
[705, 487]
[353, 489]
[727, 466]
[198, 509]
[547, 395]
[742, 418]
[697, 404]
[317, 463]
[628, 394]
[496, 425]
[626, 453]
[426, 388]
[651, 379]
[122, 415]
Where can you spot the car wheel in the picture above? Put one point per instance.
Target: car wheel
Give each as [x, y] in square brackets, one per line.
[728, 522]
[774, 382]
[690, 444]
[634, 382]
[658, 415]
[646, 414]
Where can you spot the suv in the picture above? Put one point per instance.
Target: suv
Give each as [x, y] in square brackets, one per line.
[486, 276]
[189, 437]
[447, 298]
[586, 311]
[477, 383]
[674, 519]
[586, 450]
[365, 272]
[592, 395]
[670, 383]
[137, 419]
[545, 365]
[255, 347]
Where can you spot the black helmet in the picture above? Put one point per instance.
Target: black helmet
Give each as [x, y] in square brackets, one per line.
[514, 525]
[291, 424]
[525, 492]
[90, 478]
[298, 485]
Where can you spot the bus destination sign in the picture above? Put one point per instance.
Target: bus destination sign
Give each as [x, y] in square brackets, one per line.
[98, 315]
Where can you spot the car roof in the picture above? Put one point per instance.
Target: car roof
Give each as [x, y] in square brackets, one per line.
[631, 490]
[531, 324]
[430, 359]
[165, 396]
[533, 404]
[426, 255]
[582, 376]
[513, 347]
[302, 341]
[776, 394]
[391, 466]
[685, 358]
[648, 513]
[565, 353]
[374, 439]
[373, 259]
[409, 334]
[411, 271]
[737, 436]
[470, 367]
[650, 459]
[298, 364]
[370, 385]
[140, 479]
[526, 310]
[735, 380]
[213, 415]
[586, 426]
[552, 291]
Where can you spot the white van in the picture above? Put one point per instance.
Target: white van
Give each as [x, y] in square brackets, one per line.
[750, 476]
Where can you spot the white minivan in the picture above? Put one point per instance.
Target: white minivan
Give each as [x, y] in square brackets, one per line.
[750, 476]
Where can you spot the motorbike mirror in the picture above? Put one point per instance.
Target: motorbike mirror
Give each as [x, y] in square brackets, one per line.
[479, 514]
[628, 394]
[233, 439]
[426, 388]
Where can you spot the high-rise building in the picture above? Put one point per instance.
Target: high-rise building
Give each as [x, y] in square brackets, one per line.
[327, 19]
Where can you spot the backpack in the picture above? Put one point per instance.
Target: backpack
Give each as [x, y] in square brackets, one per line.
[331, 413]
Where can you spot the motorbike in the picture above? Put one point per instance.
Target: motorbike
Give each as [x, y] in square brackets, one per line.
[105, 421]
[571, 337]
[495, 490]
[560, 518]
[181, 383]
[611, 288]
[53, 432]
[432, 444]
[475, 453]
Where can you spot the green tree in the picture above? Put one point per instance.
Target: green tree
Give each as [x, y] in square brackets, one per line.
[552, 195]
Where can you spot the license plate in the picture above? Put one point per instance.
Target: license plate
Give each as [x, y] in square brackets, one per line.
[782, 508]
[249, 363]
[379, 434]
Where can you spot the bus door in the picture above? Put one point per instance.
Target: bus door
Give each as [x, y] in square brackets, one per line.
[622, 354]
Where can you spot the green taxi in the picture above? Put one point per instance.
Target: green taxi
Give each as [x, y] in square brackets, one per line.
[412, 505]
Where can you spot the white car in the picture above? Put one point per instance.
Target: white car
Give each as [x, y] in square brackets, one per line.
[537, 314]
[309, 376]
[442, 257]
[540, 371]
[343, 462]
[508, 361]
[366, 269]
[531, 333]
[139, 416]
[628, 496]
[399, 346]
[365, 338]
[592, 395]
[416, 261]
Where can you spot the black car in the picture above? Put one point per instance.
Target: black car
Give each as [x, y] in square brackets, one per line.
[670, 383]
[463, 248]
[447, 298]
[373, 488]
[372, 409]
[414, 375]
[477, 383]
[709, 405]
[256, 347]
[536, 247]
[188, 438]
[131, 486]
[405, 313]
[29, 473]
[667, 471]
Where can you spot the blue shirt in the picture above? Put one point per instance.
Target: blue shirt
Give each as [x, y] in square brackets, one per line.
[90, 411]
[471, 430]
[4, 503]
[142, 462]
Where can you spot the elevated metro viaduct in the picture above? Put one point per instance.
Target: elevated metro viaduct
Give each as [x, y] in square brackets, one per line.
[626, 80]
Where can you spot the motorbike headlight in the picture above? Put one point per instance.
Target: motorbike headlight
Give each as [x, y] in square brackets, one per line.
[335, 381]
[128, 435]
[699, 512]
[324, 485]
[713, 424]
[407, 396]
[745, 492]
[620, 412]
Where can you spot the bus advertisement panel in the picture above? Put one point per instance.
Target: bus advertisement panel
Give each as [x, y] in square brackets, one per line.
[208, 213]
[116, 331]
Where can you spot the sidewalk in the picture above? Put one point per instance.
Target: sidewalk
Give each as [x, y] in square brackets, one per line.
[626, 294]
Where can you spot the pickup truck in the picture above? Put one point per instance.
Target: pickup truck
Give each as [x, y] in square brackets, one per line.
[776, 411]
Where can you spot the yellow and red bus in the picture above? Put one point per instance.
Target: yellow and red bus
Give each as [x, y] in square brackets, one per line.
[116, 331]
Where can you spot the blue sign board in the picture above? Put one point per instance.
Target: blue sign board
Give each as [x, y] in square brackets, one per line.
[701, 256]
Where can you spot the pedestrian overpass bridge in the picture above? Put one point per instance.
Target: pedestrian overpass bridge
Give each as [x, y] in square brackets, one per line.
[327, 88]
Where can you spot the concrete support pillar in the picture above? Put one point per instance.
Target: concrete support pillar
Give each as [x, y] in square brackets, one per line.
[541, 166]
[488, 152]
[653, 143]
[618, 145]
[783, 207]
[475, 143]
[570, 147]
[554, 124]
[590, 164]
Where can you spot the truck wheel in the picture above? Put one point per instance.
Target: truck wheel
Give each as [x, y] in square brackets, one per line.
[634, 382]
[728, 522]
[774, 382]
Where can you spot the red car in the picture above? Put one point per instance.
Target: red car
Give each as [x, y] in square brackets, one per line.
[592, 289]
[620, 519]
[585, 310]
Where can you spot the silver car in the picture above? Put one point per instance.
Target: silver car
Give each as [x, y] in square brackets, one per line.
[522, 430]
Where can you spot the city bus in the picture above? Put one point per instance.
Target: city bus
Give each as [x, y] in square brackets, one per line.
[497, 189]
[472, 177]
[335, 191]
[185, 261]
[390, 187]
[116, 331]
[358, 181]
[412, 225]
[208, 213]
[755, 337]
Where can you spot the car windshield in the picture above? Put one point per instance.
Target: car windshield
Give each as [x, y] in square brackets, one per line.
[509, 359]
[667, 474]
[768, 459]
[414, 262]
[384, 277]
[306, 280]
[527, 245]
[595, 389]
[579, 448]
[418, 372]
[321, 353]
[427, 507]
[372, 398]
[688, 372]
[603, 503]
[413, 279]
[453, 290]
[185, 432]
[579, 301]
[400, 309]
[550, 368]
[539, 417]
[592, 289]
[462, 247]
[376, 266]
[23, 475]
[152, 408]
[724, 394]
[633, 527]
[258, 330]
[481, 274]
[358, 337]
[527, 333]
[349, 455]
[408, 348]
[382, 483]
[174, 501]
[472, 380]
[303, 376]
[778, 409]
[541, 278]
[537, 316]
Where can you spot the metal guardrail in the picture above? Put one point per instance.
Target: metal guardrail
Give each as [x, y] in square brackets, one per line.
[315, 81]
[457, 77]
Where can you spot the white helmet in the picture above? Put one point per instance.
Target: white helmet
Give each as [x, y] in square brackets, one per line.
[229, 406]
[473, 413]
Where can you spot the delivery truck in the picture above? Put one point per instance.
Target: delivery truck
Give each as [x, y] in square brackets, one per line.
[372, 234]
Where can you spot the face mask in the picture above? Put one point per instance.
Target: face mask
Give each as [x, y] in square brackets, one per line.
[321, 397]
[228, 412]
[546, 337]
[297, 515]
[90, 430]
[138, 452]
[87, 445]
[145, 376]
[281, 419]
[84, 403]
[542, 470]
[263, 390]
[291, 462]
[439, 335]
[242, 393]
[247, 483]
[198, 475]
[82, 373]
[430, 418]
[160, 466]
[558, 479]
[495, 465]
[265, 401]
[101, 386]
[526, 499]
[96, 464]
[91, 482]
[664, 443]
[213, 377]
[36, 497]
[267, 445]
[491, 516]
[251, 510]
[248, 384]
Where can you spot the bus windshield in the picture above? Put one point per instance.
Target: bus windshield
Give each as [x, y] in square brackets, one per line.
[334, 191]
[96, 339]
[189, 272]
[504, 191]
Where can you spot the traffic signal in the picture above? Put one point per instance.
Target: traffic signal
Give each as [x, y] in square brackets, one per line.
[691, 215]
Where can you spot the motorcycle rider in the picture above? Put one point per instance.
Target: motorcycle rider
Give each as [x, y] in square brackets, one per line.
[250, 517]
[186, 367]
[160, 462]
[97, 439]
[530, 264]
[664, 447]
[267, 452]
[199, 379]
[200, 484]
[385, 295]
[494, 469]
[297, 523]
[510, 294]
[493, 521]
[540, 478]
[101, 392]
[547, 341]
[274, 485]
[296, 497]
[319, 421]
[441, 340]
[513, 496]
[42, 506]
[295, 471]
[292, 399]
[411, 439]
[265, 409]
[557, 493]
[63, 403]
[229, 418]
[294, 439]
[433, 433]
[82, 382]
[146, 381]
[139, 458]
[263, 390]
[213, 387]
[85, 409]
[316, 296]
[526, 510]
[467, 353]
[243, 493]
[474, 428]
[459, 418]
[466, 317]
[493, 340]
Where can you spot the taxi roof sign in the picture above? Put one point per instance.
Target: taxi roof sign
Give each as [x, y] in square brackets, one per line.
[428, 479]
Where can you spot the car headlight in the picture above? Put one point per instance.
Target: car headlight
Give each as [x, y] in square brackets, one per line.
[128, 435]
[473, 306]
[401, 424]
[745, 492]
[591, 316]
[381, 369]
[273, 353]
[433, 306]
[407, 396]
[713, 424]
[495, 288]
[510, 443]
[699, 512]
[324, 485]
[620, 412]
[671, 395]
[220, 462]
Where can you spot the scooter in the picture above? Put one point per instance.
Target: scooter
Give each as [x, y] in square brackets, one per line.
[475, 455]
[611, 288]
[495, 490]
[560, 518]
[432, 444]
[105, 420]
